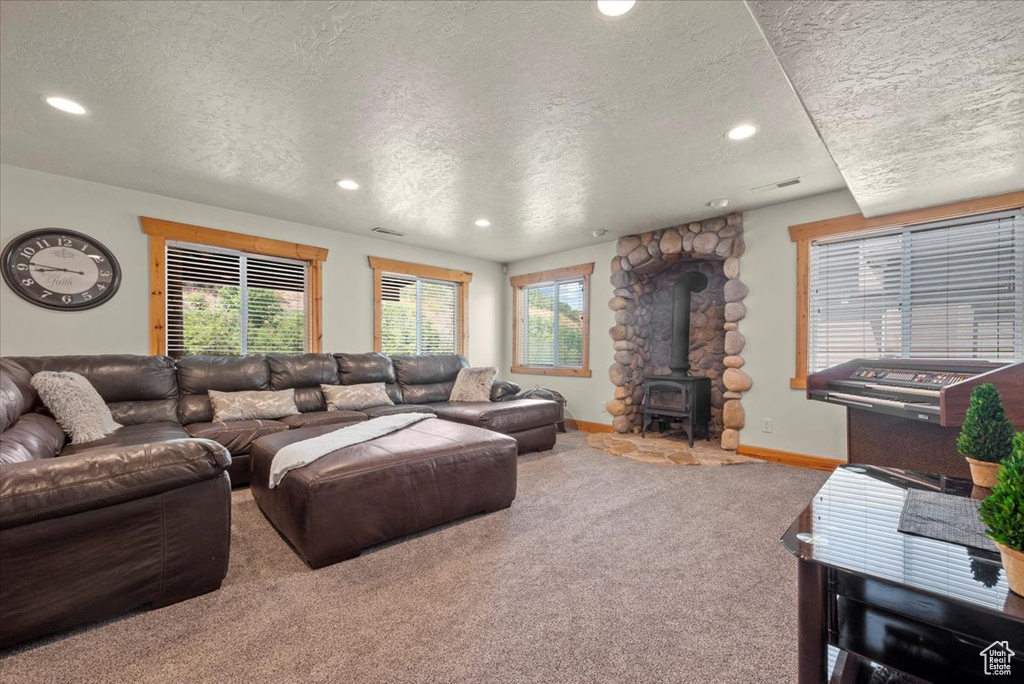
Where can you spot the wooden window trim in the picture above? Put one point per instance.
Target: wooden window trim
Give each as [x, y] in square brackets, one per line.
[519, 282]
[460, 278]
[805, 233]
[160, 231]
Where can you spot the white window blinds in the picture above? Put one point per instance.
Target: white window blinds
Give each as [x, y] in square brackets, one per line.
[221, 301]
[418, 315]
[550, 325]
[941, 290]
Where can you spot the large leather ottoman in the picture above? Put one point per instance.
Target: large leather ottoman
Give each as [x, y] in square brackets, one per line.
[428, 473]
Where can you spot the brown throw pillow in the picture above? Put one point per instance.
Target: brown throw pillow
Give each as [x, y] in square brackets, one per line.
[252, 405]
[356, 397]
[473, 384]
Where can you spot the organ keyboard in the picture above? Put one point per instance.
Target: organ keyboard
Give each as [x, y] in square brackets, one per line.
[934, 391]
[905, 413]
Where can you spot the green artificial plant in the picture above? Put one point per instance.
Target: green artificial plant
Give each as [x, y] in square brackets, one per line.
[987, 434]
[1003, 510]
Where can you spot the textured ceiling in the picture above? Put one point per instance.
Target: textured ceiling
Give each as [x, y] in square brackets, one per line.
[544, 117]
[919, 103]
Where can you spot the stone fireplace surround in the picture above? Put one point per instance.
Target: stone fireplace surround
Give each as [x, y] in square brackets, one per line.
[642, 274]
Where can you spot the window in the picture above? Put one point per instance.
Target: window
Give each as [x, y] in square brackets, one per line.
[214, 292]
[419, 309]
[418, 315]
[222, 301]
[950, 288]
[551, 324]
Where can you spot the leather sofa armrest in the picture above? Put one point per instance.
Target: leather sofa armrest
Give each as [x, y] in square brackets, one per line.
[32, 491]
[502, 390]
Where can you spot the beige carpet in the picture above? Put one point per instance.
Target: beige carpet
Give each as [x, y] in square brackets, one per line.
[604, 570]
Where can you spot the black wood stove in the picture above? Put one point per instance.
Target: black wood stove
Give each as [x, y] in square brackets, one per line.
[680, 397]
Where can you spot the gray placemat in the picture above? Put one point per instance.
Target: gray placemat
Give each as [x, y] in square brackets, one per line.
[945, 517]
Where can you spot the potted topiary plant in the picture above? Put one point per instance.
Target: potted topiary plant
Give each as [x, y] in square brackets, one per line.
[986, 436]
[1003, 514]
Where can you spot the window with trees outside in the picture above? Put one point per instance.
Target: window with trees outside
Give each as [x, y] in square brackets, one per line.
[419, 309]
[222, 301]
[551, 327]
[216, 292]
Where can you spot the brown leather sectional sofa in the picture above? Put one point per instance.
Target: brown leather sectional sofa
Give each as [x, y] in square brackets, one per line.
[158, 398]
[101, 530]
[143, 516]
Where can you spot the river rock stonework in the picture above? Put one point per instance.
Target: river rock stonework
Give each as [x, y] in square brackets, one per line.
[643, 270]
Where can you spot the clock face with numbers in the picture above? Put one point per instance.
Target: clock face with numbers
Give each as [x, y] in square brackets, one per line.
[60, 269]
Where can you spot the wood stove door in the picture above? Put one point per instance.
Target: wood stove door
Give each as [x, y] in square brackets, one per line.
[673, 396]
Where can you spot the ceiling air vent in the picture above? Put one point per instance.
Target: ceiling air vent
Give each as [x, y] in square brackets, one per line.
[775, 186]
[385, 231]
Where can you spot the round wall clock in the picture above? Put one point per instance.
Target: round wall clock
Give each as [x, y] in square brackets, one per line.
[60, 269]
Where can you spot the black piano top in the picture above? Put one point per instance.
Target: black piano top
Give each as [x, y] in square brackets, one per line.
[852, 525]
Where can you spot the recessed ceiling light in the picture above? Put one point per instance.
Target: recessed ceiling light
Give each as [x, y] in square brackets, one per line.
[741, 132]
[346, 184]
[614, 8]
[65, 105]
[720, 203]
[483, 223]
[600, 232]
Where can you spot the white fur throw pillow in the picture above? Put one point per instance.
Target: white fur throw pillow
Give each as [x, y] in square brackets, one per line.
[252, 405]
[356, 397]
[75, 404]
[473, 384]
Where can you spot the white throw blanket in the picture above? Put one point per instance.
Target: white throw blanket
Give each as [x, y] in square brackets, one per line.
[305, 452]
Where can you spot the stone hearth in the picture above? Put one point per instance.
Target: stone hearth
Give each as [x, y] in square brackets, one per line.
[665, 450]
[642, 274]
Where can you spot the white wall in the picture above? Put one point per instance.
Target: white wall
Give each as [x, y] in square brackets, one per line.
[30, 200]
[769, 268]
[586, 395]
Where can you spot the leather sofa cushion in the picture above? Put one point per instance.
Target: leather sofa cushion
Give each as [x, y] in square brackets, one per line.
[425, 379]
[17, 396]
[117, 377]
[424, 369]
[236, 435]
[305, 373]
[301, 370]
[425, 394]
[131, 435]
[139, 412]
[199, 374]
[360, 369]
[202, 373]
[502, 390]
[33, 436]
[378, 411]
[313, 418]
[310, 399]
[137, 389]
[504, 416]
[54, 487]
